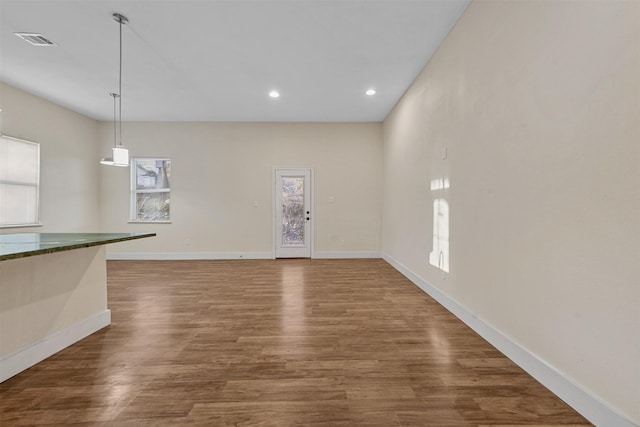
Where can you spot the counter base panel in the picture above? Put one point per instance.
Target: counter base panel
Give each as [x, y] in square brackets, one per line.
[19, 361]
[48, 302]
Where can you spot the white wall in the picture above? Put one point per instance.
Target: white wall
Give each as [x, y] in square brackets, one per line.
[69, 178]
[538, 105]
[219, 171]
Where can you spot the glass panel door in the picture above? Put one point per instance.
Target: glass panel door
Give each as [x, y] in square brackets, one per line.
[292, 213]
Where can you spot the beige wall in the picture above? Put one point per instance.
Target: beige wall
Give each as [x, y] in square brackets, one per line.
[538, 105]
[68, 154]
[220, 170]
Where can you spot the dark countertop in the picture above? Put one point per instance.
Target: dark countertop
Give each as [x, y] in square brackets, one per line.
[22, 245]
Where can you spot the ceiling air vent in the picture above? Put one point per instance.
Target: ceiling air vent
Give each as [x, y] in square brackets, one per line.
[35, 39]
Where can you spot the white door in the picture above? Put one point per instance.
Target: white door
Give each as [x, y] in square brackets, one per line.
[293, 217]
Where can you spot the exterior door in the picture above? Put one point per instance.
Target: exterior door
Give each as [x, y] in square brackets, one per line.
[293, 218]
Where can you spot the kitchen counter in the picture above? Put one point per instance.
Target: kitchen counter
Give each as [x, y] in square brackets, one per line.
[53, 293]
[21, 245]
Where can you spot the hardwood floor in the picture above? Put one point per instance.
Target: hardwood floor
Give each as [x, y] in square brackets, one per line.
[286, 342]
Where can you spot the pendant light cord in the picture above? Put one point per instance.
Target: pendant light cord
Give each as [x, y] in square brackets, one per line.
[120, 85]
[121, 20]
[120, 155]
[115, 133]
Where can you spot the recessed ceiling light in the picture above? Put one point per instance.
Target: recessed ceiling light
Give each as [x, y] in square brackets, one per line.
[371, 92]
[35, 39]
[274, 94]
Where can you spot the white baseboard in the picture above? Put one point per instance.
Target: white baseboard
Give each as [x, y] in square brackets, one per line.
[17, 362]
[346, 254]
[576, 396]
[228, 255]
[186, 255]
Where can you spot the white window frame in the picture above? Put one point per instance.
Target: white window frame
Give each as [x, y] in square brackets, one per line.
[134, 192]
[36, 222]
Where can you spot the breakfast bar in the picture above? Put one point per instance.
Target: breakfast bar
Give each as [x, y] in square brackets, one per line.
[53, 293]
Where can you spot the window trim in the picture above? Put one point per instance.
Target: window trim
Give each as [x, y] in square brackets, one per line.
[37, 222]
[134, 191]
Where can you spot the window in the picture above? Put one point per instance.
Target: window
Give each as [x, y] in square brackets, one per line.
[150, 194]
[19, 182]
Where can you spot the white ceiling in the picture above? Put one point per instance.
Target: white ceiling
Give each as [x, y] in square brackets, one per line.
[216, 60]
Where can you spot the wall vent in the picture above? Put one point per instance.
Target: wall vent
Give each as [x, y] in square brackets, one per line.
[35, 39]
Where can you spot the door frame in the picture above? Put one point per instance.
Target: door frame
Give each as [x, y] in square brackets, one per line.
[274, 213]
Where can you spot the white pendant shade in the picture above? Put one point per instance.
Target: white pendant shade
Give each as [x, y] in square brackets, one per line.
[120, 156]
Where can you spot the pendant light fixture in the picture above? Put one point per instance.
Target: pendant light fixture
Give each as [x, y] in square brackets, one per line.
[120, 156]
[109, 161]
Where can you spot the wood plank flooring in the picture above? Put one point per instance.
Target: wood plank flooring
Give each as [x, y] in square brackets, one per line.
[277, 343]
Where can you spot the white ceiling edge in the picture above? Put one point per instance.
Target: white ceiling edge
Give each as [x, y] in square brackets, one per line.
[217, 60]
